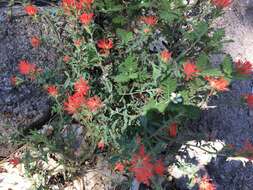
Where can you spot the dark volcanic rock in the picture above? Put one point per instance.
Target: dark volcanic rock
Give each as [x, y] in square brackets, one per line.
[230, 121]
[231, 174]
[24, 106]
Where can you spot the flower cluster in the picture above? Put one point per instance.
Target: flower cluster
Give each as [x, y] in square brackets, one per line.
[165, 56]
[105, 45]
[86, 18]
[35, 41]
[206, 184]
[150, 20]
[244, 68]
[249, 100]
[219, 84]
[52, 90]
[28, 69]
[216, 83]
[77, 6]
[221, 3]
[190, 70]
[143, 168]
[31, 10]
[79, 99]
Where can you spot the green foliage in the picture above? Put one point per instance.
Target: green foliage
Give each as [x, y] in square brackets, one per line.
[153, 105]
[227, 66]
[212, 72]
[199, 30]
[128, 70]
[141, 92]
[203, 62]
[168, 86]
[124, 35]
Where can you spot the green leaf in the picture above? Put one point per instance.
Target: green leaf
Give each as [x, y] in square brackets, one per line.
[124, 35]
[227, 65]
[169, 16]
[169, 85]
[211, 73]
[203, 62]
[201, 28]
[219, 34]
[123, 78]
[119, 20]
[198, 32]
[156, 72]
[186, 96]
[128, 70]
[129, 65]
[153, 105]
[194, 85]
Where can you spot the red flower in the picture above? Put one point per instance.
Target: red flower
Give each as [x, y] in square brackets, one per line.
[190, 70]
[13, 80]
[149, 20]
[101, 145]
[219, 84]
[173, 130]
[26, 68]
[119, 167]
[244, 68]
[206, 184]
[14, 161]
[52, 90]
[66, 58]
[159, 167]
[93, 103]
[31, 10]
[74, 103]
[146, 30]
[35, 42]
[72, 4]
[69, 3]
[249, 100]
[141, 166]
[165, 55]
[81, 86]
[221, 3]
[87, 3]
[86, 18]
[79, 6]
[247, 150]
[105, 44]
[78, 42]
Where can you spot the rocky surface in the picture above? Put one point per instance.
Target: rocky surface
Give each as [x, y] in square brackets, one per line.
[229, 121]
[24, 106]
[97, 177]
[238, 24]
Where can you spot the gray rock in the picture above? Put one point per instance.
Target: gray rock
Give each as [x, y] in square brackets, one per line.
[230, 121]
[231, 174]
[244, 3]
[25, 106]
